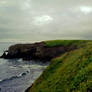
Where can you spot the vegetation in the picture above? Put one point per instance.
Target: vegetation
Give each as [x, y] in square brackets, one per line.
[71, 72]
[53, 43]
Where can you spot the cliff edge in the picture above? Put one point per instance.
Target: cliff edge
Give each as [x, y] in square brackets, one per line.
[45, 50]
[70, 72]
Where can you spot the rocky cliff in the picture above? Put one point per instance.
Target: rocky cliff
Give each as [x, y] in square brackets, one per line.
[70, 72]
[36, 51]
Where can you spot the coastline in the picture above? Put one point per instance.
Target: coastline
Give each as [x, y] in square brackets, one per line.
[42, 51]
[36, 51]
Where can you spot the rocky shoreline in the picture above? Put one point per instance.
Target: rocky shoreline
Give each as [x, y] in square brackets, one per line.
[41, 51]
[36, 51]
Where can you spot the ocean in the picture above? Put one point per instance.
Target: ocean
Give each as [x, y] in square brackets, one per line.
[17, 75]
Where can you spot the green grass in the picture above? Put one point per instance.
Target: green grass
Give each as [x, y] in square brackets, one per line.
[53, 43]
[71, 72]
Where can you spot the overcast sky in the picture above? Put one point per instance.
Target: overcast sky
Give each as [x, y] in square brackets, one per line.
[35, 20]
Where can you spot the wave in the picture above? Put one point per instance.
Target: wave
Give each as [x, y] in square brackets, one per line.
[14, 77]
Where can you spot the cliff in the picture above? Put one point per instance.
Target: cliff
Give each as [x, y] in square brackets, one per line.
[45, 50]
[70, 72]
[70, 64]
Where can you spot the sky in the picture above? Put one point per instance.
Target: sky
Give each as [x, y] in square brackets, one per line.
[38, 20]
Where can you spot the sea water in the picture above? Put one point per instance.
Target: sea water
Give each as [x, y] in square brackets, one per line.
[17, 75]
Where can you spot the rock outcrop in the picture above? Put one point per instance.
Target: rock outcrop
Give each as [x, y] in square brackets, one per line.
[70, 72]
[35, 51]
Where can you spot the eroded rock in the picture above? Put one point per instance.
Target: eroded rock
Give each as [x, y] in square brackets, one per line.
[35, 51]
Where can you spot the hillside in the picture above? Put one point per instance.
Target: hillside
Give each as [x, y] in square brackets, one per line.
[70, 72]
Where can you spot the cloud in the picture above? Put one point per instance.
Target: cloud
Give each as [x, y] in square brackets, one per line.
[86, 9]
[25, 20]
[44, 19]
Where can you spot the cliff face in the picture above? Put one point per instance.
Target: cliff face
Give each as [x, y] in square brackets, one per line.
[70, 68]
[36, 51]
[70, 72]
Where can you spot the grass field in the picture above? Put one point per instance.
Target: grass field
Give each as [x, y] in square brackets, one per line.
[53, 43]
[71, 72]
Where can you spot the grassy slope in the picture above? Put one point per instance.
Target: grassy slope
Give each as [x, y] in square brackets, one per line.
[71, 72]
[53, 43]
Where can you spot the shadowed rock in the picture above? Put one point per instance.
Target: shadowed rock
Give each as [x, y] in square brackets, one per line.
[35, 51]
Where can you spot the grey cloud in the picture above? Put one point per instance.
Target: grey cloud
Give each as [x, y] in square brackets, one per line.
[33, 20]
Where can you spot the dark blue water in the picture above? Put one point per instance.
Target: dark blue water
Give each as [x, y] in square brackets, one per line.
[18, 75]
